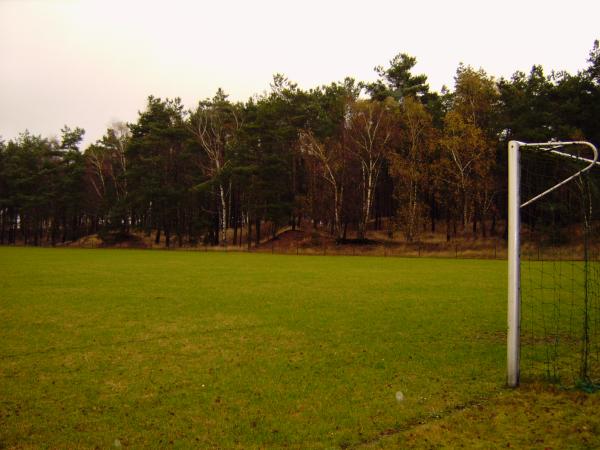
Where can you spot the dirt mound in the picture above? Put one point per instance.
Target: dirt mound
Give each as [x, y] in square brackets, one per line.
[108, 240]
[287, 239]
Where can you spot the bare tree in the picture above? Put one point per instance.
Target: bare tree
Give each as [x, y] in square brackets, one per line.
[331, 158]
[214, 125]
[468, 143]
[108, 162]
[409, 163]
[371, 124]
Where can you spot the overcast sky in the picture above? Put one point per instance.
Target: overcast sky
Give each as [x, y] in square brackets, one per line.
[90, 63]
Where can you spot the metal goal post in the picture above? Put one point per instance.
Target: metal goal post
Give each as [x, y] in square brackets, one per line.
[514, 225]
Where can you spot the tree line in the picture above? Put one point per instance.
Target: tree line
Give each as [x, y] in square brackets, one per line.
[347, 157]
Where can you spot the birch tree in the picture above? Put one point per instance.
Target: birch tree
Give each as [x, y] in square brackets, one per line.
[469, 142]
[331, 158]
[371, 127]
[461, 145]
[214, 125]
[107, 171]
[108, 163]
[409, 164]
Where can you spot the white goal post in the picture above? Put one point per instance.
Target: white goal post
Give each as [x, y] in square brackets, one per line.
[514, 225]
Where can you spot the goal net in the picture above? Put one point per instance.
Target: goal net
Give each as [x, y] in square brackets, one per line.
[554, 266]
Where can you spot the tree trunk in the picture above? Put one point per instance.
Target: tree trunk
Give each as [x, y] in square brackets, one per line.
[12, 232]
[464, 209]
[64, 230]
[337, 200]
[249, 233]
[223, 215]
[257, 230]
[368, 186]
[36, 232]
[432, 213]
[147, 227]
[2, 226]
[53, 232]
[24, 232]
[235, 230]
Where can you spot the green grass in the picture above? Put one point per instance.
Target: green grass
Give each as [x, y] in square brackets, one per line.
[155, 349]
[557, 295]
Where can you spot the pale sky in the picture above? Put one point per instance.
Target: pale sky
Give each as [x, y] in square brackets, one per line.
[90, 63]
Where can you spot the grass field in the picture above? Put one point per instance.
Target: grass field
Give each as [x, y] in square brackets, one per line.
[126, 348]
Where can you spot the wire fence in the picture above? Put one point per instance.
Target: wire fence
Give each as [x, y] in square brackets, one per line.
[457, 250]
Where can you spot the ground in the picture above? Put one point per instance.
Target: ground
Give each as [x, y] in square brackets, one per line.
[310, 241]
[138, 348]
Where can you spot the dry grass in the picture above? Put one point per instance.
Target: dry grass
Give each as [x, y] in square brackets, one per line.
[533, 416]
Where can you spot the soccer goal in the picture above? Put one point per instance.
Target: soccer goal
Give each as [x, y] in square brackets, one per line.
[553, 264]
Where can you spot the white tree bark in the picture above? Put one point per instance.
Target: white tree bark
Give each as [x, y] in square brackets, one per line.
[212, 133]
[328, 161]
[371, 138]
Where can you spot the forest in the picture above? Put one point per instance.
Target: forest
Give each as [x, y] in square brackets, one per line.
[346, 158]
